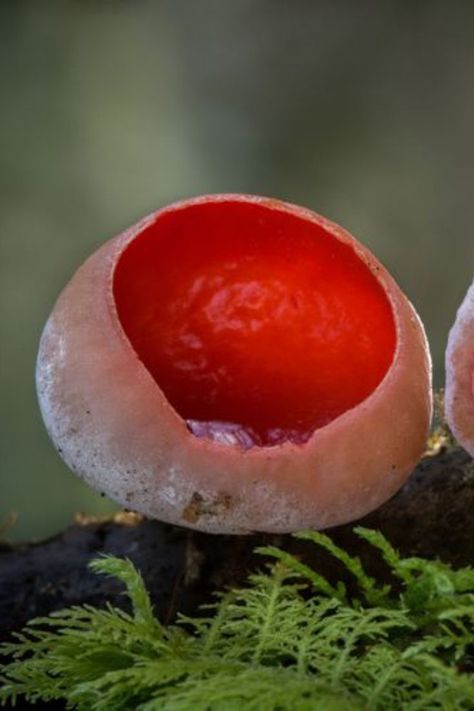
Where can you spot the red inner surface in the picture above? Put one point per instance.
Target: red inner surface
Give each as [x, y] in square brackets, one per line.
[251, 315]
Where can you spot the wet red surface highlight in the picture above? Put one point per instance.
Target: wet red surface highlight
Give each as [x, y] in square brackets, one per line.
[251, 315]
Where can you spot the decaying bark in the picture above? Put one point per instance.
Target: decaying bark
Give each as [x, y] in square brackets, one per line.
[431, 516]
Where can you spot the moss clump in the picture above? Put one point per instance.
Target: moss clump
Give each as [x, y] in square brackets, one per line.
[441, 438]
[290, 639]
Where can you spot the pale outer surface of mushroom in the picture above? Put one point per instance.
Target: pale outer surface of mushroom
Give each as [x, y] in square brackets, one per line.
[113, 426]
[459, 394]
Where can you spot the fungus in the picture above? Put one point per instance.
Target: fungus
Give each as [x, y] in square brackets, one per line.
[233, 364]
[459, 394]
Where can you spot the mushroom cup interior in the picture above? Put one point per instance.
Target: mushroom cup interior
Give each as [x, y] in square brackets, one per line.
[253, 320]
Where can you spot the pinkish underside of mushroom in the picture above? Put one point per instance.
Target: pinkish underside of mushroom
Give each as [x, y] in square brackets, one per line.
[460, 374]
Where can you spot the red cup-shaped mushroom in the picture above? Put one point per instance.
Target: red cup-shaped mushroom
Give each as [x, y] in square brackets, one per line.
[459, 394]
[234, 364]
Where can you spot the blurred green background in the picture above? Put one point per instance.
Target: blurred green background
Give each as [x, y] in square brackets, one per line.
[363, 111]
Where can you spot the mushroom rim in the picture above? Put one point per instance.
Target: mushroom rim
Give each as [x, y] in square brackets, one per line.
[390, 289]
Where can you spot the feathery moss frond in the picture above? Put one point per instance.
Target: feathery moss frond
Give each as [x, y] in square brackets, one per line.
[369, 588]
[290, 639]
[299, 569]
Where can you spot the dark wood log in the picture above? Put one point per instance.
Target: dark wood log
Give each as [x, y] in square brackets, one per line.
[431, 516]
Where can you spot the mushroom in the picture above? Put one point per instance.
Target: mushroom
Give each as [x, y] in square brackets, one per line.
[234, 363]
[459, 393]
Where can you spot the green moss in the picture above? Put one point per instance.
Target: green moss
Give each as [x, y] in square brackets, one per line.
[288, 640]
[441, 437]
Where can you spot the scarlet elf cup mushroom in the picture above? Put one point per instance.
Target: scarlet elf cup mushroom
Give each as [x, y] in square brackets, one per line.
[459, 395]
[233, 364]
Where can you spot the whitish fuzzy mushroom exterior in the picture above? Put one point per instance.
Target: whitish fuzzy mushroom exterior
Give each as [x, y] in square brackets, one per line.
[459, 395]
[113, 425]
